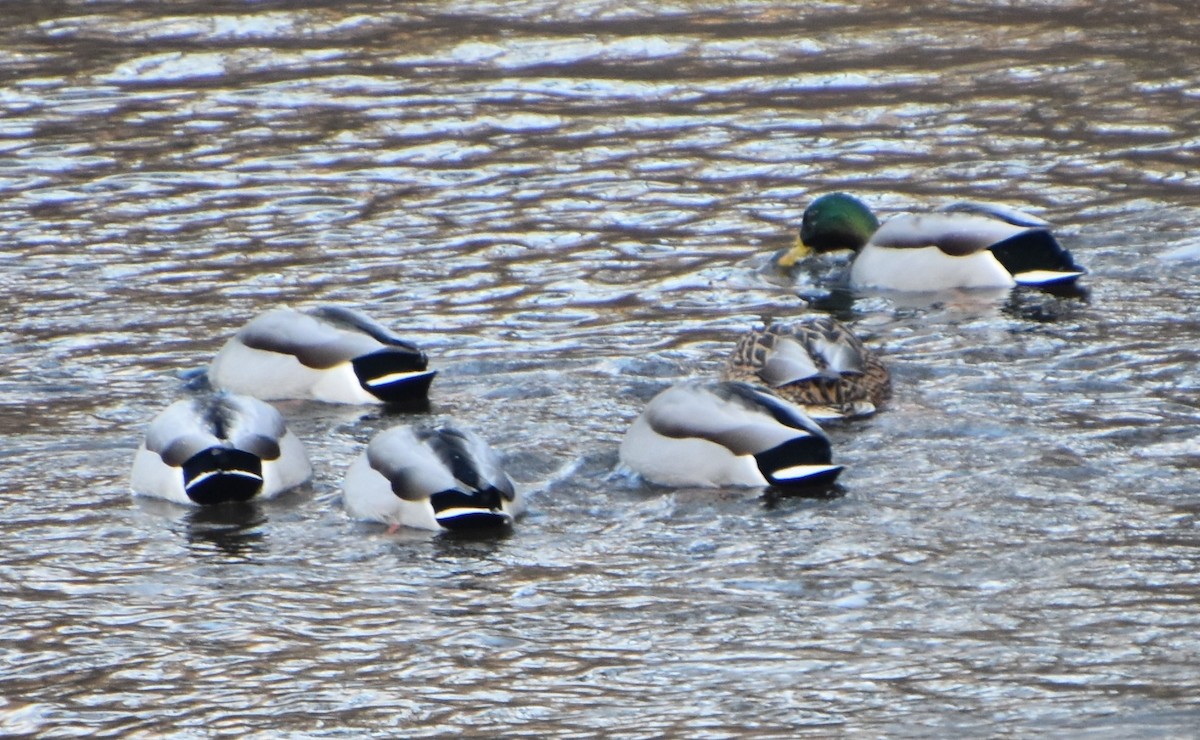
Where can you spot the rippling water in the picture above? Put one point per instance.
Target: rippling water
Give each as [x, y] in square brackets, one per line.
[569, 205]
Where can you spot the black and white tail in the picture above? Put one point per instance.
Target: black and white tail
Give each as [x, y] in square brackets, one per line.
[394, 375]
[220, 475]
[1035, 257]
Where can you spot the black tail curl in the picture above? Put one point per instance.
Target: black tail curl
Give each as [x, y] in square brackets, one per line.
[221, 475]
[1036, 249]
[805, 450]
[413, 383]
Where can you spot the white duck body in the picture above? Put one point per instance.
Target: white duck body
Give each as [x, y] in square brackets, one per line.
[216, 449]
[964, 246]
[920, 269]
[445, 478]
[329, 354]
[705, 434]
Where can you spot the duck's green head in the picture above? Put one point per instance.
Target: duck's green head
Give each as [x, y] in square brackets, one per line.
[832, 222]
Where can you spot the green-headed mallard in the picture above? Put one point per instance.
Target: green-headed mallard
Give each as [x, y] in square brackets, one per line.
[964, 245]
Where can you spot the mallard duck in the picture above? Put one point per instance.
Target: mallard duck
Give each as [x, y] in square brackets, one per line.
[817, 363]
[329, 354]
[711, 434]
[218, 448]
[444, 478]
[964, 245]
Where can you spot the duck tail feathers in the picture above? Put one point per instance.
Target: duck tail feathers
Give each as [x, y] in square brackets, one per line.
[394, 375]
[801, 461]
[349, 319]
[1035, 257]
[219, 475]
[459, 510]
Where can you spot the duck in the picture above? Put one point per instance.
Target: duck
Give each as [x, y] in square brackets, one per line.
[218, 448]
[331, 353]
[710, 434]
[433, 478]
[817, 363]
[962, 245]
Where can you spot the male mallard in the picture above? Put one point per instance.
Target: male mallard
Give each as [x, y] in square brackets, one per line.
[443, 478]
[964, 245]
[329, 354]
[218, 448]
[817, 363]
[699, 433]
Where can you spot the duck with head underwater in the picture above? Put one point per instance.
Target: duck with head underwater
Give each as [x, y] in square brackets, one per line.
[218, 448]
[816, 362]
[713, 434]
[963, 245]
[330, 353]
[444, 478]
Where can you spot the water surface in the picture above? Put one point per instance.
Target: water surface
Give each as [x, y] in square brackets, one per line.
[569, 206]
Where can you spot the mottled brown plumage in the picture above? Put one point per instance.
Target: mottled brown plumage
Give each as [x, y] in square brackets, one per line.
[817, 363]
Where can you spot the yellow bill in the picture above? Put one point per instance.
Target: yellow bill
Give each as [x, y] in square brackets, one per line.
[799, 252]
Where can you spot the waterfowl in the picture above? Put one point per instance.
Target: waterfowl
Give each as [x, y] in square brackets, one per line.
[329, 354]
[711, 434]
[964, 245]
[218, 448]
[431, 478]
[817, 363]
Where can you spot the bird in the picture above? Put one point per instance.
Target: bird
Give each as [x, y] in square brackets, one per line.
[962, 245]
[218, 448]
[701, 433]
[330, 353]
[817, 363]
[435, 478]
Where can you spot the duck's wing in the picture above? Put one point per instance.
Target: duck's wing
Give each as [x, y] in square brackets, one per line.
[353, 321]
[842, 352]
[956, 234]
[758, 403]
[737, 416]
[472, 462]
[485, 497]
[1021, 242]
[179, 432]
[455, 470]
[783, 354]
[410, 466]
[393, 369]
[997, 211]
[250, 424]
[788, 361]
[315, 343]
[219, 420]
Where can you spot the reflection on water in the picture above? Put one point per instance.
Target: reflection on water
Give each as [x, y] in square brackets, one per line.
[469, 545]
[236, 530]
[233, 530]
[570, 207]
[1047, 306]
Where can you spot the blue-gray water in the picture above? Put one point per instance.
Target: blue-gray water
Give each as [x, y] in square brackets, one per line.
[568, 205]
